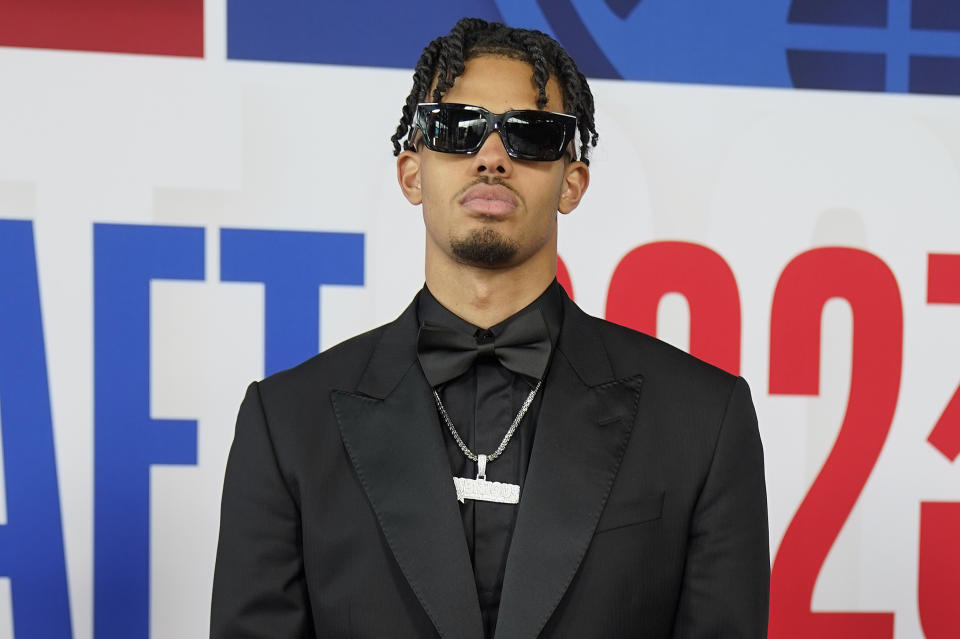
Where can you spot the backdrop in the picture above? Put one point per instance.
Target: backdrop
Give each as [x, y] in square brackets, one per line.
[196, 194]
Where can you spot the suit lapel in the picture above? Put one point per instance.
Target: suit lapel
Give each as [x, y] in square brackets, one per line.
[582, 432]
[392, 434]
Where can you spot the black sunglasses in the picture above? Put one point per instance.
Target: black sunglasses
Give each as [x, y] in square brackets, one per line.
[527, 134]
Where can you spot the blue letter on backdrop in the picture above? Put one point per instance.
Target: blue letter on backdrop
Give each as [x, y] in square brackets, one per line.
[292, 266]
[31, 542]
[127, 441]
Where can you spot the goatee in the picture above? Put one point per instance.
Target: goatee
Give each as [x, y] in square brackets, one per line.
[484, 247]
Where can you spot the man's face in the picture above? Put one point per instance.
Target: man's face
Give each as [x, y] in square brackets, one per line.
[488, 209]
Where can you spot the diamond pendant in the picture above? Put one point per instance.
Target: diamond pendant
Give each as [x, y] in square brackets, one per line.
[480, 489]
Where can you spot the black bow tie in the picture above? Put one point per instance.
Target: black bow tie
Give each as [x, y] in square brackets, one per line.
[522, 345]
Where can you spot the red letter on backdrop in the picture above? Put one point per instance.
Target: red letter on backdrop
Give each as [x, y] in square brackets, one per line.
[805, 285]
[939, 578]
[160, 27]
[943, 287]
[939, 570]
[649, 272]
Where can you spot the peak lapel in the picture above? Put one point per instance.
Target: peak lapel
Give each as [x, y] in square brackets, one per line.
[393, 437]
[582, 432]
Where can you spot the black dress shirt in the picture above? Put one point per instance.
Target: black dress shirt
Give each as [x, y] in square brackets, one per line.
[482, 404]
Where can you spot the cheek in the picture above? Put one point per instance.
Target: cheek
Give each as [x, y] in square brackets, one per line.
[435, 188]
[432, 218]
[435, 211]
[551, 183]
[548, 198]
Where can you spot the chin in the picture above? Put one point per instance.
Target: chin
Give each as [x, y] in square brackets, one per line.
[485, 247]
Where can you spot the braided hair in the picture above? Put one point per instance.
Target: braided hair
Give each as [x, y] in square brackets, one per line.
[444, 58]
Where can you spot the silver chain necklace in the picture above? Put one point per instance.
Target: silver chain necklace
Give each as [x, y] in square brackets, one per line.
[480, 489]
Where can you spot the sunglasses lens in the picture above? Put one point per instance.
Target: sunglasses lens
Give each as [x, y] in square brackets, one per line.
[527, 135]
[452, 129]
[535, 136]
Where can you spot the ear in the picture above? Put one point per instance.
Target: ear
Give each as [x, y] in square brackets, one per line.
[576, 179]
[408, 175]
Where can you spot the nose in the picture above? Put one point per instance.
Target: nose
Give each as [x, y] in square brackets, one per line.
[492, 158]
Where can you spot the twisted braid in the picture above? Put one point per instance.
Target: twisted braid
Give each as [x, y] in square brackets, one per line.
[422, 77]
[444, 60]
[582, 99]
[541, 72]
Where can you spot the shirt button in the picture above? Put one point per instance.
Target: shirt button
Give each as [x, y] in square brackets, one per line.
[483, 336]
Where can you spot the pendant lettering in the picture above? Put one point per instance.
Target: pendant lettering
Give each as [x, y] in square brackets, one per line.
[483, 490]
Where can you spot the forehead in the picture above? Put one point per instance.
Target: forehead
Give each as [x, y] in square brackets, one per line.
[499, 84]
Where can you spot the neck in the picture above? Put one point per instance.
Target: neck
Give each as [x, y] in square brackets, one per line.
[485, 297]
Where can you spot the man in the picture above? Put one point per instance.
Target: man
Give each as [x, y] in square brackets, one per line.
[494, 462]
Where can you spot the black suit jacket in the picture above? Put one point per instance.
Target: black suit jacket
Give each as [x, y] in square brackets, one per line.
[643, 512]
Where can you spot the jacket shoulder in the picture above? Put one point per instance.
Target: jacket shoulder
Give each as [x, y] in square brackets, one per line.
[633, 352]
[337, 367]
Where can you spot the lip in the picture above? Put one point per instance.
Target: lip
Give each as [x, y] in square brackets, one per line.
[489, 199]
